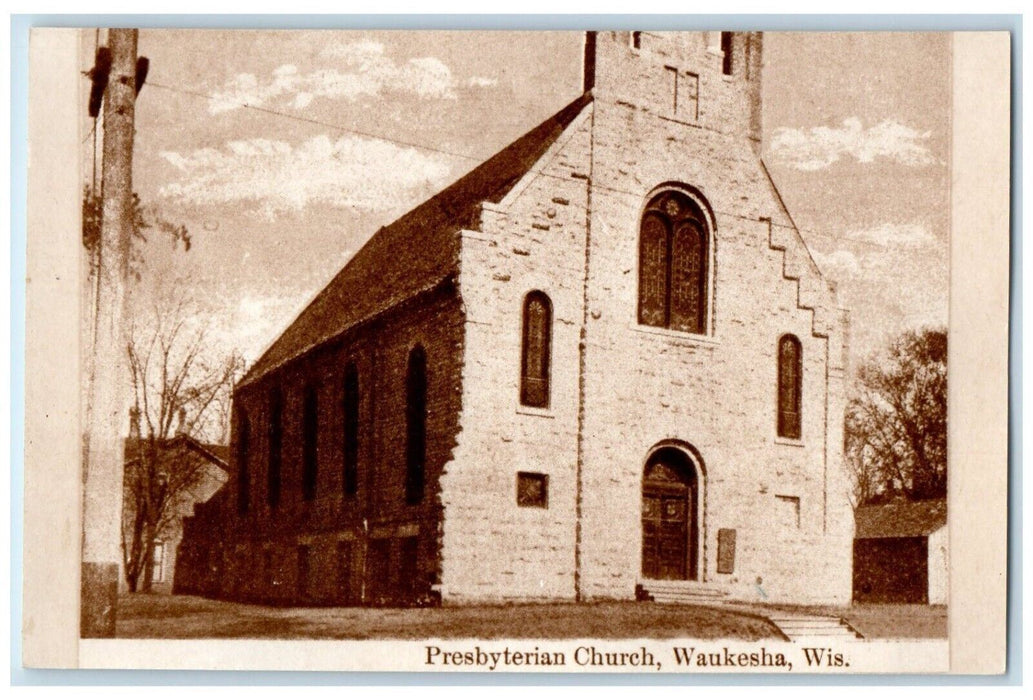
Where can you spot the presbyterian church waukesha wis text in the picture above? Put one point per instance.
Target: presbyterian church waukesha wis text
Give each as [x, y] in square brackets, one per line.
[682, 658]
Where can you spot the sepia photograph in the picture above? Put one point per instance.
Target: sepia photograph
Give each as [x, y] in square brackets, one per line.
[591, 350]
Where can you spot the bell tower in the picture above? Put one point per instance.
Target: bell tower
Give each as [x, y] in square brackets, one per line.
[707, 79]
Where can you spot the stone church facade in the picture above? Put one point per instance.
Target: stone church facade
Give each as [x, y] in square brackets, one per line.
[602, 363]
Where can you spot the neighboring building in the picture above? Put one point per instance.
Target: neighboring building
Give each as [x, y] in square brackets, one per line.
[900, 553]
[209, 472]
[602, 358]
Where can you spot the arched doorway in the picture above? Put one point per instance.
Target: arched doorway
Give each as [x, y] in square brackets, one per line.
[670, 508]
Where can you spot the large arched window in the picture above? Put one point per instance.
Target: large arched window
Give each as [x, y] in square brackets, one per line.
[535, 350]
[790, 384]
[415, 425]
[672, 291]
[243, 454]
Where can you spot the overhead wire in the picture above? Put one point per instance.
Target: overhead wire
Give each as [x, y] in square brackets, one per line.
[481, 159]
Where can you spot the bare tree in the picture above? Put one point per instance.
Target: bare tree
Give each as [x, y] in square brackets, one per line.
[178, 398]
[896, 421]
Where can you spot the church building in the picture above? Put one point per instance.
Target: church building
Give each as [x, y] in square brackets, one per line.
[601, 365]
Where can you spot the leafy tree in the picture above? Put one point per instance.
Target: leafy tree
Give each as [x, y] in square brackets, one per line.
[896, 421]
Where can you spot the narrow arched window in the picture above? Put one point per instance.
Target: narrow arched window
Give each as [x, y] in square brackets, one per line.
[673, 255]
[535, 350]
[275, 448]
[243, 473]
[415, 425]
[310, 443]
[350, 448]
[790, 384]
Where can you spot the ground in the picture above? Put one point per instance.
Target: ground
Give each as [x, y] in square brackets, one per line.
[887, 621]
[184, 617]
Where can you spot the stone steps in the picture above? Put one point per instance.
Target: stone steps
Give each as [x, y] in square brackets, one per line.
[683, 592]
[813, 627]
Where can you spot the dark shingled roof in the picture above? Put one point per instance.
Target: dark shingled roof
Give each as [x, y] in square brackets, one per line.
[416, 252]
[900, 519]
[213, 452]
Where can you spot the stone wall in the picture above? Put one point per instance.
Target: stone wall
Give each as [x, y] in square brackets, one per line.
[716, 391]
[642, 385]
[569, 228]
[531, 240]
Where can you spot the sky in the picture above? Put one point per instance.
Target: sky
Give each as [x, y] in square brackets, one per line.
[345, 131]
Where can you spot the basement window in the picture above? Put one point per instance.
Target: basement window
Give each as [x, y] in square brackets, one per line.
[789, 511]
[532, 490]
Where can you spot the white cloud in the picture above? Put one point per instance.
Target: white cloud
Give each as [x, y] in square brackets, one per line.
[250, 323]
[837, 262]
[870, 251]
[819, 147]
[893, 235]
[276, 176]
[481, 81]
[358, 69]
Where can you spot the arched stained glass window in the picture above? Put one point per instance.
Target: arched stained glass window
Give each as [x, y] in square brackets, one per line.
[535, 350]
[673, 255]
[688, 276]
[790, 385]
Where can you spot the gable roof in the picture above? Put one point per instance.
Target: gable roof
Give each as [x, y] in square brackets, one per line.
[218, 455]
[900, 519]
[416, 252]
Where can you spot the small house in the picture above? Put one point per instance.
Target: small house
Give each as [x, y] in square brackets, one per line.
[900, 553]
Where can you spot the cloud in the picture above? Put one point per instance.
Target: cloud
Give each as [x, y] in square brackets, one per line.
[356, 172]
[870, 251]
[249, 320]
[890, 235]
[837, 262]
[359, 69]
[819, 147]
[481, 81]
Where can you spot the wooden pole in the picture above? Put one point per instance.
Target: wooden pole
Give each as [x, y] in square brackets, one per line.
[102, 471]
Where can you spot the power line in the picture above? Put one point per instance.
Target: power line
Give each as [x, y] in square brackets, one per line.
[319, 122]
[481, 159]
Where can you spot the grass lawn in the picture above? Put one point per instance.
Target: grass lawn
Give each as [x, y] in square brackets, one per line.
[884, 621]
[185, 617]
[899, 621]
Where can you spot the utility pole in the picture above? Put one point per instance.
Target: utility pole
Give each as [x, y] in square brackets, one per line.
[102, 470]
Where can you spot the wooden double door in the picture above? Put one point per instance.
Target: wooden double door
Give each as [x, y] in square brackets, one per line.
[669, 510]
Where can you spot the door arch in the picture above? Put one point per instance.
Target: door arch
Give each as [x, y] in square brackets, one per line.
[670, 515]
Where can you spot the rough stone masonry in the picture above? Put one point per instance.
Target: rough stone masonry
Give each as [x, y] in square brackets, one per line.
[658, 460]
